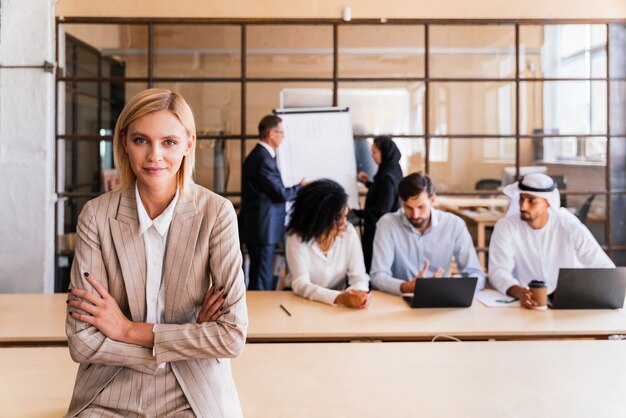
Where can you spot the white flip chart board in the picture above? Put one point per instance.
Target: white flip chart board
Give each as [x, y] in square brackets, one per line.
[318, 144]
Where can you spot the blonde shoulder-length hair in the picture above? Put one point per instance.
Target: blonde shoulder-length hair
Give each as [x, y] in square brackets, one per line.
[148, 101]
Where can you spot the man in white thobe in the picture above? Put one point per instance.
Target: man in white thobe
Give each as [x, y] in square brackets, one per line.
[537, 238]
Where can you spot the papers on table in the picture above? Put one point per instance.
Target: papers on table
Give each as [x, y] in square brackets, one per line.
[494, 299]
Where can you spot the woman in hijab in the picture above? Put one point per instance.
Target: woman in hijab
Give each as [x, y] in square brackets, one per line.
[382, 194]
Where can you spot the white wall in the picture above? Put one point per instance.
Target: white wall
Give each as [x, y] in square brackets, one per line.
[26, 147]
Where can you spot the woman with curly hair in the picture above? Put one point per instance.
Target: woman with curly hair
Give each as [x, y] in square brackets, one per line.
[323, 250]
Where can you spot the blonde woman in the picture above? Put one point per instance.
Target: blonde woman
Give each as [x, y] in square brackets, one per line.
[157, 298]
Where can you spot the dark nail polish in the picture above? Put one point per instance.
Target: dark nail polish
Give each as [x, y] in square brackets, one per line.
[221, 288]
[69, 313]
[86, 274]
[67, 301]
[224, 295]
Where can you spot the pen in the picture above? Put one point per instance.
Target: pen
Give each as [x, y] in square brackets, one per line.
[285, 309]
[506, 301]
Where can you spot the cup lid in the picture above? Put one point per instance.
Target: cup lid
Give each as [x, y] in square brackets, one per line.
[537, 283]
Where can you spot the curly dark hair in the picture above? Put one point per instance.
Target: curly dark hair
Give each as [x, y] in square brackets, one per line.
[317, 209]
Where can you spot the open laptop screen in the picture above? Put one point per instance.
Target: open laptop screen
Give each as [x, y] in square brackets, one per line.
[590, 288]
[443, 292]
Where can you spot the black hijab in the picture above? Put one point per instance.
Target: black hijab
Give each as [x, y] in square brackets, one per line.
[390, 159]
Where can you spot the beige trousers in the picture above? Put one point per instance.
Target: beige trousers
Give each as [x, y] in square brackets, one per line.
[151, 396]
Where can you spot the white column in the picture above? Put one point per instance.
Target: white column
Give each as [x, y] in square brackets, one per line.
[26, 146]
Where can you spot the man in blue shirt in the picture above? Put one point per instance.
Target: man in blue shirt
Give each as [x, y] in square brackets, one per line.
[419, 241]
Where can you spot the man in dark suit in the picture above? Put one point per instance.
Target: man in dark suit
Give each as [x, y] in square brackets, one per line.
[263, 198]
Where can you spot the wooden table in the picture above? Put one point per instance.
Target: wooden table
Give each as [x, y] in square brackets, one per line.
[472, 379]
[39, 320]
[389, 318]
[36, 382]
[479, 379]
[499, 202]
[482, 212]
[32, 318]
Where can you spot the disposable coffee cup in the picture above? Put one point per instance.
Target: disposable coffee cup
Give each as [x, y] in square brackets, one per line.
[539, 291]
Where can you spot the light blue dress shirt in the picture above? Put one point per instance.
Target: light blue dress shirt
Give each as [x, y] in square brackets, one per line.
[400, 251]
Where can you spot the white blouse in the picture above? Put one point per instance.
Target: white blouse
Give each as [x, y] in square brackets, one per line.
[320, 277]
[154, 233]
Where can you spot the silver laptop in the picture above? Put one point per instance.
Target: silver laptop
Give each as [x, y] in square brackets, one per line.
[443, 292]
[589, 288]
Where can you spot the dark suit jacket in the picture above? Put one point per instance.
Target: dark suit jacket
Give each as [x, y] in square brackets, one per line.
[263, 197]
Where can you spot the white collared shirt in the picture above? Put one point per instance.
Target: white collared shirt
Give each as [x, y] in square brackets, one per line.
[318, 276]
[269, 149]
[401, 251]
[154, 232]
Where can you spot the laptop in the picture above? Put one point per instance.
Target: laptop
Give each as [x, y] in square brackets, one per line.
[589, 288]
[443, 292]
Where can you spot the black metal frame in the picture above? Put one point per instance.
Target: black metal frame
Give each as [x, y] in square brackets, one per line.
[335, 79]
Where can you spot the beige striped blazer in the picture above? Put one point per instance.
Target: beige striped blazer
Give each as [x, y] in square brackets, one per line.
[202, 250]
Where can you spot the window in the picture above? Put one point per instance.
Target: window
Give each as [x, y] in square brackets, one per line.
[448, 85]
[577, 107]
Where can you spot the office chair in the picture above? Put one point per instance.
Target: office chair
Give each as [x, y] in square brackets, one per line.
[584, 209]
[561, 184]
[487, 184]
